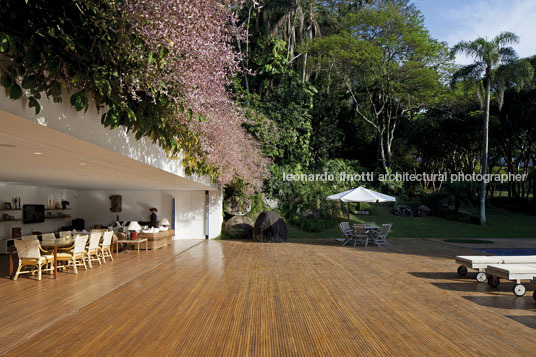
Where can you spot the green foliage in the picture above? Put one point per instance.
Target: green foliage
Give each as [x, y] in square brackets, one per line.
[283, 101]
[88, 48]
[388, 63]
[304, 203]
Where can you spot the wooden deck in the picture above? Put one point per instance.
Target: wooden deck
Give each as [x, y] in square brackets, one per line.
[243, 298]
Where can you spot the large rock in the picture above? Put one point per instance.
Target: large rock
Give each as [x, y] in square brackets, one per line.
[270, 227]
[237, 206]
[423, 211]
[240, 227]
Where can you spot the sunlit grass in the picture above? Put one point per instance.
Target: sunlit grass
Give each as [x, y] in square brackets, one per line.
[501, 224]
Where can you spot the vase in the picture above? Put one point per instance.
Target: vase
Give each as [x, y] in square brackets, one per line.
[153, 217]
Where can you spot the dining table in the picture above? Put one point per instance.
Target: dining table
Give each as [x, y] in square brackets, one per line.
[55, 244]
[47, 244]
[371, 229]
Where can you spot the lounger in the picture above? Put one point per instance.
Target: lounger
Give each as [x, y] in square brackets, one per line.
[481, 262]
[513, 272]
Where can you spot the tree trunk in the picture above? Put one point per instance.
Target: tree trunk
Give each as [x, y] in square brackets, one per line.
[382, 152]
[484, 161]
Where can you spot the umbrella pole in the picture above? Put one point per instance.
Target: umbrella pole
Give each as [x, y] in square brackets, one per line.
[348, 209]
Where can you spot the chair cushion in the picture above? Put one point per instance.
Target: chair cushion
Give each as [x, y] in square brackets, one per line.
[64, 256]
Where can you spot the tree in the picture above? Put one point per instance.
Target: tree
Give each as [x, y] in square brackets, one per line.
[488, 55]
[160, 69]
[387, 63]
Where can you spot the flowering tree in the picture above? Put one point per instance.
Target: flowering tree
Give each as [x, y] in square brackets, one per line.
[198, 35]
[160, 68]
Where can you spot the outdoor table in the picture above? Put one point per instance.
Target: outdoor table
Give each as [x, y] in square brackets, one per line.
[62, 242]
[371, 229]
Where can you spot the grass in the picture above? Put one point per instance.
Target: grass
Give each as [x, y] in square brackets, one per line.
[501, 224]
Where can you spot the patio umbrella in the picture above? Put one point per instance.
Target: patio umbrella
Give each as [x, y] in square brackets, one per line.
[360, 194]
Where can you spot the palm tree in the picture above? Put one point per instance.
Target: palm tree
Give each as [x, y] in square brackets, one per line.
[488, 55]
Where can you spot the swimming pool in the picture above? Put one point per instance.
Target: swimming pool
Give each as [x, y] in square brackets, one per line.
[508, 251]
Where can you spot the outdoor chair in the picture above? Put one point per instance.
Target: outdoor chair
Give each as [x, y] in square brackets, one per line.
[513, 272]
[94, 248]
[361, 234]
[78, 254]
[348, 232]
[481, 263]
[381, 237]
[105, 248]
[29, 252]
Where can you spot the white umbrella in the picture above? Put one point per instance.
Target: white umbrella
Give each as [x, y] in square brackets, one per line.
[360, 194]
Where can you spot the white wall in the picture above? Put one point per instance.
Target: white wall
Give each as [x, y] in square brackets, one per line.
[94, 207]
[87, 126]
[216, 213]
[35, 195]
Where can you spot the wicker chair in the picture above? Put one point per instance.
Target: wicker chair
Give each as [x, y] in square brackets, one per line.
[105, 248]
[29, 252]
[64, 234]
[30, 237]
[48, 237]
[94, 248]
[78, 255]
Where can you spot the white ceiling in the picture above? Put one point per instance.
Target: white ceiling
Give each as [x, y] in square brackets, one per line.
[69, 162]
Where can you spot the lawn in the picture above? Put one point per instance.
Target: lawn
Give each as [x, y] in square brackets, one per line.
[501, 224]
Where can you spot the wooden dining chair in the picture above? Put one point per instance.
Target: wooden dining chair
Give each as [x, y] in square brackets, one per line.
[361, 234]
[29, 252]
[348, 232]
[78, 254]
[381, 237]
[105, 248]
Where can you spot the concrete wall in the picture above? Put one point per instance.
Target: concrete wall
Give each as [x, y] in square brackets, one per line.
[87, 126]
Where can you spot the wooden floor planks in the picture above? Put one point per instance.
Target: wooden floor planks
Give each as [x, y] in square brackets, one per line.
[243, 298]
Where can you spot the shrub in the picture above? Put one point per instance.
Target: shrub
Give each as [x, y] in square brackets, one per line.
[301, 197]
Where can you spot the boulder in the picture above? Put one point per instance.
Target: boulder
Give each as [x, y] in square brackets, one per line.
[404, 211]
[237, 206]
[240, 227]
[270, 227]
[423, 211]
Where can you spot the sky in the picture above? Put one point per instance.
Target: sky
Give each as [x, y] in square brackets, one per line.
[456, 20]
